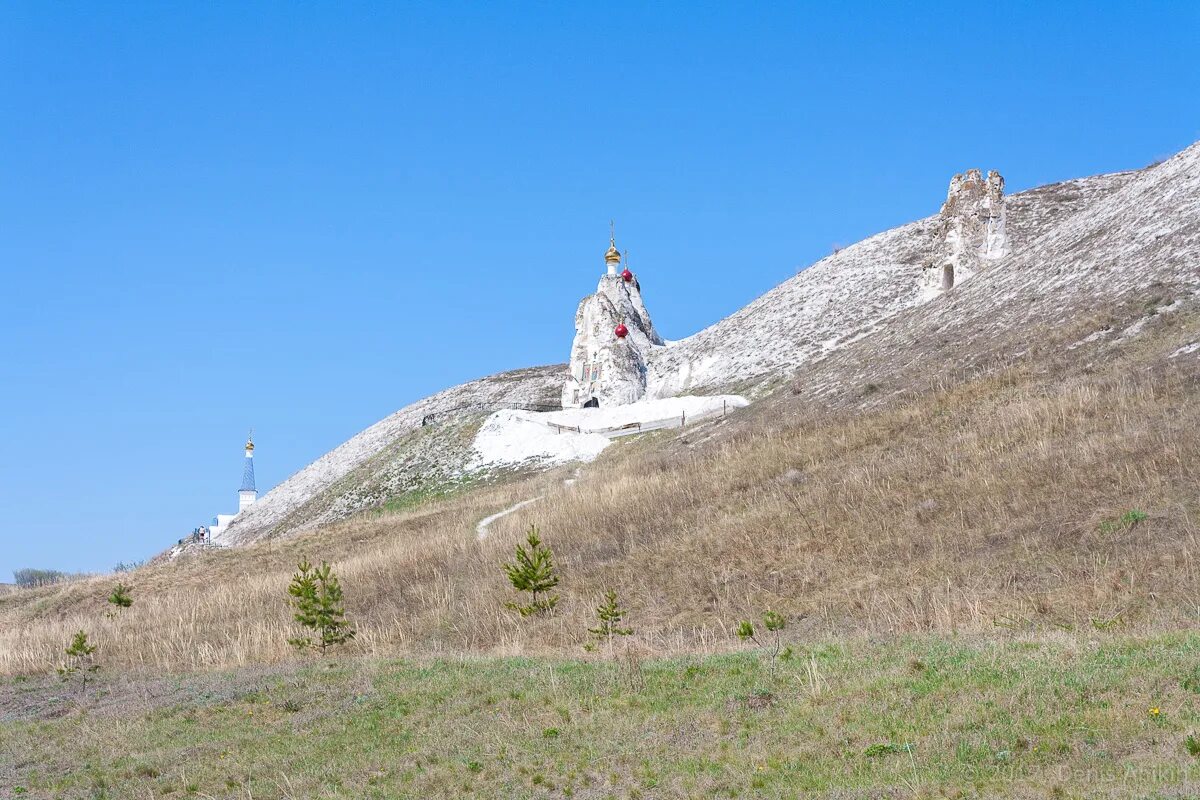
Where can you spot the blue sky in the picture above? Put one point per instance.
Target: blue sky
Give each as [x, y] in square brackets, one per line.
[299, 217]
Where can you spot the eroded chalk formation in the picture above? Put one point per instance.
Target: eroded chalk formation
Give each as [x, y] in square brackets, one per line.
[970, 231]
[607, 368]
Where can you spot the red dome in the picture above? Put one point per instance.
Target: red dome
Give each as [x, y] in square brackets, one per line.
[627, 275]
[621, 331]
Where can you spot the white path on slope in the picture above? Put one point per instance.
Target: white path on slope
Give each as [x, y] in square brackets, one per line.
[481, 530]
[1187, 348]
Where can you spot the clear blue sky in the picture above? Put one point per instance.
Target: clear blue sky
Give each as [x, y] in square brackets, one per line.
[302, 216]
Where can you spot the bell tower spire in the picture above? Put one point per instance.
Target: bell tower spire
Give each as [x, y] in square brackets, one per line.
[248, 493]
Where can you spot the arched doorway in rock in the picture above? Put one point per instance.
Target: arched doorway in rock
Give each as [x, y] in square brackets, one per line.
[593, 402]
[947, 276]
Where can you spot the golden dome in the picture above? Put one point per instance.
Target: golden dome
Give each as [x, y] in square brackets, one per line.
[613, 255]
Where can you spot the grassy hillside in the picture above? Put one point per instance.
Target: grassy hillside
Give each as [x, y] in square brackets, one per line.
[980, 522]
[1056, 493]
[1068, 716]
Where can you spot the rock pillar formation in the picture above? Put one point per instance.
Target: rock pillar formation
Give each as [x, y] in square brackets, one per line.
[606, 369]
[970, 229]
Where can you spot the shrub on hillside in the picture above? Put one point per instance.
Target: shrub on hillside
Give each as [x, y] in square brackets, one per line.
[28, 578]
[80, 660]
[533, 572]
[121, 597]
[609, 616]
[317, 598]
[774, 624]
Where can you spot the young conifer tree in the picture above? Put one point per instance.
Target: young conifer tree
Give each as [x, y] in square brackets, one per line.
[533, 572]
[609, 616]
[121, 597]
[80, 660]
[317, 599]
[774, 623]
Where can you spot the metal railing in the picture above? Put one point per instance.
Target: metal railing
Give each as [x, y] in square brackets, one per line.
[631, 428]
[434, 417]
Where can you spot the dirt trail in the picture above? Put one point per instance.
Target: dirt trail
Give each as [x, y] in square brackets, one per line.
[481, 530]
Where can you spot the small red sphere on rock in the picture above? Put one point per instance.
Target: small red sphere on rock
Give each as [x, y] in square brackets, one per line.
[621, 331]
[627, 276]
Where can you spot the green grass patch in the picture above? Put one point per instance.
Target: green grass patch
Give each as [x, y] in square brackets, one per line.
[414, 498]
[1124, 522]
[925, 716]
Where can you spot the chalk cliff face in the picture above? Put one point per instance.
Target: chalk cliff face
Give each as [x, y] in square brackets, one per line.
[604, 367]
[971, 229]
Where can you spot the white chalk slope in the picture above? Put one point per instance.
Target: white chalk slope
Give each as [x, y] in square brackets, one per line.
[844, 297]
[579, 434]
[359, 474]
[857, 316]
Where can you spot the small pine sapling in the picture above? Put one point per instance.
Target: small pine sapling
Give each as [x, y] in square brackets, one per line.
[80, 660]
[609, 616]
[533, 572]
[774, 624]
[120, 598]
[317, 599]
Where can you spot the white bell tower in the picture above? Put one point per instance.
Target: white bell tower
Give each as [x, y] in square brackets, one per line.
[248, 493]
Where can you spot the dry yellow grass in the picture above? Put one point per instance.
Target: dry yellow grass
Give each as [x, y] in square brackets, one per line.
[989, 504]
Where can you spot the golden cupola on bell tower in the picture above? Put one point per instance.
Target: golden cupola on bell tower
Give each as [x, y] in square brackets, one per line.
[248, 493]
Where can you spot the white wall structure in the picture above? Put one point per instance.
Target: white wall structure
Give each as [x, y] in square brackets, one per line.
[247, 494]
[606, 369]
[514, 436]
[220, 523]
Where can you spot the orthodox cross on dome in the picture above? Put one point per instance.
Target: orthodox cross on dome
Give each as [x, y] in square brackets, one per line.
[612, 257]
[248, 470]
[626, 275]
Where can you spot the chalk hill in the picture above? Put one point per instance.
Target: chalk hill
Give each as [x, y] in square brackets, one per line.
[1018, 451]
[859, 319]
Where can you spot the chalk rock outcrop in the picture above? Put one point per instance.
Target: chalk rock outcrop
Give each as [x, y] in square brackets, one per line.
[606, 368]
[970, 230]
